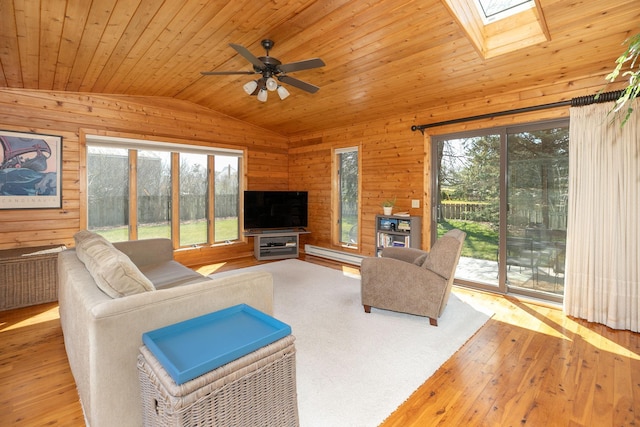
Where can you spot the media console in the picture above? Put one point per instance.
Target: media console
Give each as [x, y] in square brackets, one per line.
[276, 244]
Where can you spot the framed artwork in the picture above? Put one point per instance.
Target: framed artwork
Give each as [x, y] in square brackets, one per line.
[30, 170]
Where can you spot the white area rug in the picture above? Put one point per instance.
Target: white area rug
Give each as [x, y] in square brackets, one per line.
[355, 369]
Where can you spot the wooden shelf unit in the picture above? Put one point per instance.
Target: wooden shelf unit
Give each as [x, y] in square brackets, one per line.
[402, 231]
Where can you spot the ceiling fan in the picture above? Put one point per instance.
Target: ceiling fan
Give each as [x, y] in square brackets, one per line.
[271, 69]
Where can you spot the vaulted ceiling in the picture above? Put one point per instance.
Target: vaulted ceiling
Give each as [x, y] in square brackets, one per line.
[383, 58]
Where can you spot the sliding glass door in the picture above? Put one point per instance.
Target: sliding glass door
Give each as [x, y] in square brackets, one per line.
[537, 188]
[468, 198]
[507, 189]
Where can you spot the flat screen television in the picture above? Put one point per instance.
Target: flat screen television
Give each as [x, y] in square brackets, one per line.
[275, 209]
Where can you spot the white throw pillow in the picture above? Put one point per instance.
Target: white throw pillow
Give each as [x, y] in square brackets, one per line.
[114, 272]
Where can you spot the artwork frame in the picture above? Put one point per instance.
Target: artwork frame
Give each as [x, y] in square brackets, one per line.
[30, 170]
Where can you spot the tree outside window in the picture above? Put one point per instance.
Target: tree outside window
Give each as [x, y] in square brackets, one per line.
[348, 184]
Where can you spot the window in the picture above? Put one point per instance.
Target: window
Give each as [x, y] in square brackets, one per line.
[507, 188]
[132, 186]
[497, 27]
[193, 199]
[108, 191]
[348, 180]
[227, 197]
[154, 194]
[492, 10]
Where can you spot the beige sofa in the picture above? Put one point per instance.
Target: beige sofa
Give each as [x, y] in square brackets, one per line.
[102, 333]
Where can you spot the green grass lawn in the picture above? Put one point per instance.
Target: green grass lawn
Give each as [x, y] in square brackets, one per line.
[191, 233]
[481, 241]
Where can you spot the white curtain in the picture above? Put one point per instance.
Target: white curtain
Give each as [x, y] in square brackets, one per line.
[603, 234]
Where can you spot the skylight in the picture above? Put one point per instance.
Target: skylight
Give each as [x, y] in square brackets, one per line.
[493, 10]
[497, 27]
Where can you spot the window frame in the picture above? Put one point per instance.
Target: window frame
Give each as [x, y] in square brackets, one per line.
[133, 145]
[336, 199]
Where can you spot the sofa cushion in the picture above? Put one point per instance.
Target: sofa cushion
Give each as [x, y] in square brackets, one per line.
[170, 274]
[85, 239]
[114, 273]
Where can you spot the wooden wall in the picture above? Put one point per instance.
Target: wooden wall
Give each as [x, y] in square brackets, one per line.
[396, 161]
[71, 115]
[392, 165]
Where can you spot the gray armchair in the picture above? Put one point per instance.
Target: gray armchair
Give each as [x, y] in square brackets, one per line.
[410, 280]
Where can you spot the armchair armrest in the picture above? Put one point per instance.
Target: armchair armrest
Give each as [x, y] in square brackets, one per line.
[403, 254]
[394, 273]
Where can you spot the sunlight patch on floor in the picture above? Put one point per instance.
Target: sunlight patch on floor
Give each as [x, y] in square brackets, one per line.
[605, 344]
[553, 322]
[44, 316]
[208, 269]
[351, 271]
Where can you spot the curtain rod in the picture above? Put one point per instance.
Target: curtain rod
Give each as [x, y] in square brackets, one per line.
[574, 102]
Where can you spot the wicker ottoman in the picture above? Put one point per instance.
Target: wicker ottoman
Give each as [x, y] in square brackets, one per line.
[258, 389]
[28, 276]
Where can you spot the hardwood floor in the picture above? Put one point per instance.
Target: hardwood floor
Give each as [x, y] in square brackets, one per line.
[529, 364]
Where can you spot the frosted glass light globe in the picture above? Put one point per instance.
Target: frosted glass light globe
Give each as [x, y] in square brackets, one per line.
[272, 84]
[250, 87]
[283, 92]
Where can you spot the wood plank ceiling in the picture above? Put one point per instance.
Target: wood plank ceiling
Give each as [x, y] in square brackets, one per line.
[384, 58]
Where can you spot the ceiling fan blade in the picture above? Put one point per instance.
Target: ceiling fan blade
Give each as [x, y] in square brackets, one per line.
[224, 73]
[248, 56]
[299, 84]
[301, 65]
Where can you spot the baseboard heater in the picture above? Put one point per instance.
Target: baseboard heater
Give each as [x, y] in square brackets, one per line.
[333, 254]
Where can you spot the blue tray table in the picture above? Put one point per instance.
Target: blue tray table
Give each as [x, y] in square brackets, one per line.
[256, 388]
[194, 347]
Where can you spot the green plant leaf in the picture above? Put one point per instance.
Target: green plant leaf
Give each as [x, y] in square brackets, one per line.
[631, 54]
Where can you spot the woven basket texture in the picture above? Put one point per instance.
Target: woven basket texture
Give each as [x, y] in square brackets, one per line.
[28, 276]
[258, 389]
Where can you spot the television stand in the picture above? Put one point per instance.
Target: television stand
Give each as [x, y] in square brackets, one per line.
[284, 230]
[276, 244]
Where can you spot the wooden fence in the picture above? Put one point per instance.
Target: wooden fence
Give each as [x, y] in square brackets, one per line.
[485, 212]
[459, 210]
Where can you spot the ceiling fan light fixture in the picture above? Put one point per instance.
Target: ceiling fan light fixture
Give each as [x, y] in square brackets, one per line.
[262, 95]
[283, 92]
[250, 87]
[272, 84]
[272, 71]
